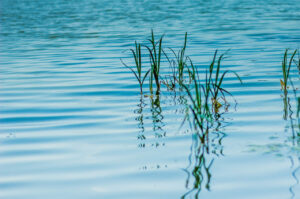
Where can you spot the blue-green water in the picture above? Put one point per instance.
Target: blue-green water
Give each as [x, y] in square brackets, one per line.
[70, 112]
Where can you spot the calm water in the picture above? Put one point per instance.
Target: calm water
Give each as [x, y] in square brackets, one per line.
[73, 125]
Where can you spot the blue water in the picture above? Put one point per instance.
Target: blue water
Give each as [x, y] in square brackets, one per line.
[72, 123]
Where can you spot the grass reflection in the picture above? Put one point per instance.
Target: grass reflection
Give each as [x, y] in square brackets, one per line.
[157, 117]
[296, 168]
[149, 115]
[140, 119]
[201, 159]
[290, 96]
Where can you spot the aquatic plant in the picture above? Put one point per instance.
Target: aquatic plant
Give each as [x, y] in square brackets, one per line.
[206, 96]
[205, 99]
[297, 62]
[137, 55]
[177, 65]
[199, 99]
[217, 82]
[180, 61]
[288, 109]
[202, 98]
[155, 53]
[286, 67]
[170, 80]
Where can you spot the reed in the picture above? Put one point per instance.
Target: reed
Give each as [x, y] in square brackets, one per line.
[155, 53]
[286, 67]
[137, 55]
[286, 86]
[180, 61]
[170, 80]
[205, 95]
[297, 62]
[199, 102]
[298, 115]
[216, 81]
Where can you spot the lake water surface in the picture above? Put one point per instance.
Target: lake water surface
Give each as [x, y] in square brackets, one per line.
[73, 124]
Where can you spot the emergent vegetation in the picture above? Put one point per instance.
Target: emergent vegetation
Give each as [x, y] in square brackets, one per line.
[206, 95]
[288, 85]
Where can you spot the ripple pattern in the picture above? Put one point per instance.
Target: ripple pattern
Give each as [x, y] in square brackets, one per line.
[73, 125]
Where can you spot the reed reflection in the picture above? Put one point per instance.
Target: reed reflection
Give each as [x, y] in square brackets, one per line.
[295, 166]
[149, 116]
[157, 117]
[291, 109]
[201, 159]
[140, 119]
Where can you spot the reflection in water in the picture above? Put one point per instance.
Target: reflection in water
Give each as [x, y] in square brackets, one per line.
[150, 116]
[202, 154]
[200, 161]
[291, 109]
[295, 128]
[296, 167]
[140, 119]
[291, 113]
[200, 167]
[157, 117]
[156, 120]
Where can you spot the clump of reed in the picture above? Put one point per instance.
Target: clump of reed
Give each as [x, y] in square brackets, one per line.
[179, 64]
[209, 95]
[206, 95]
[286, 68]
[155, 53]
[137, 55]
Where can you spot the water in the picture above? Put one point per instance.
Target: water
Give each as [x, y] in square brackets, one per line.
[70, 113]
